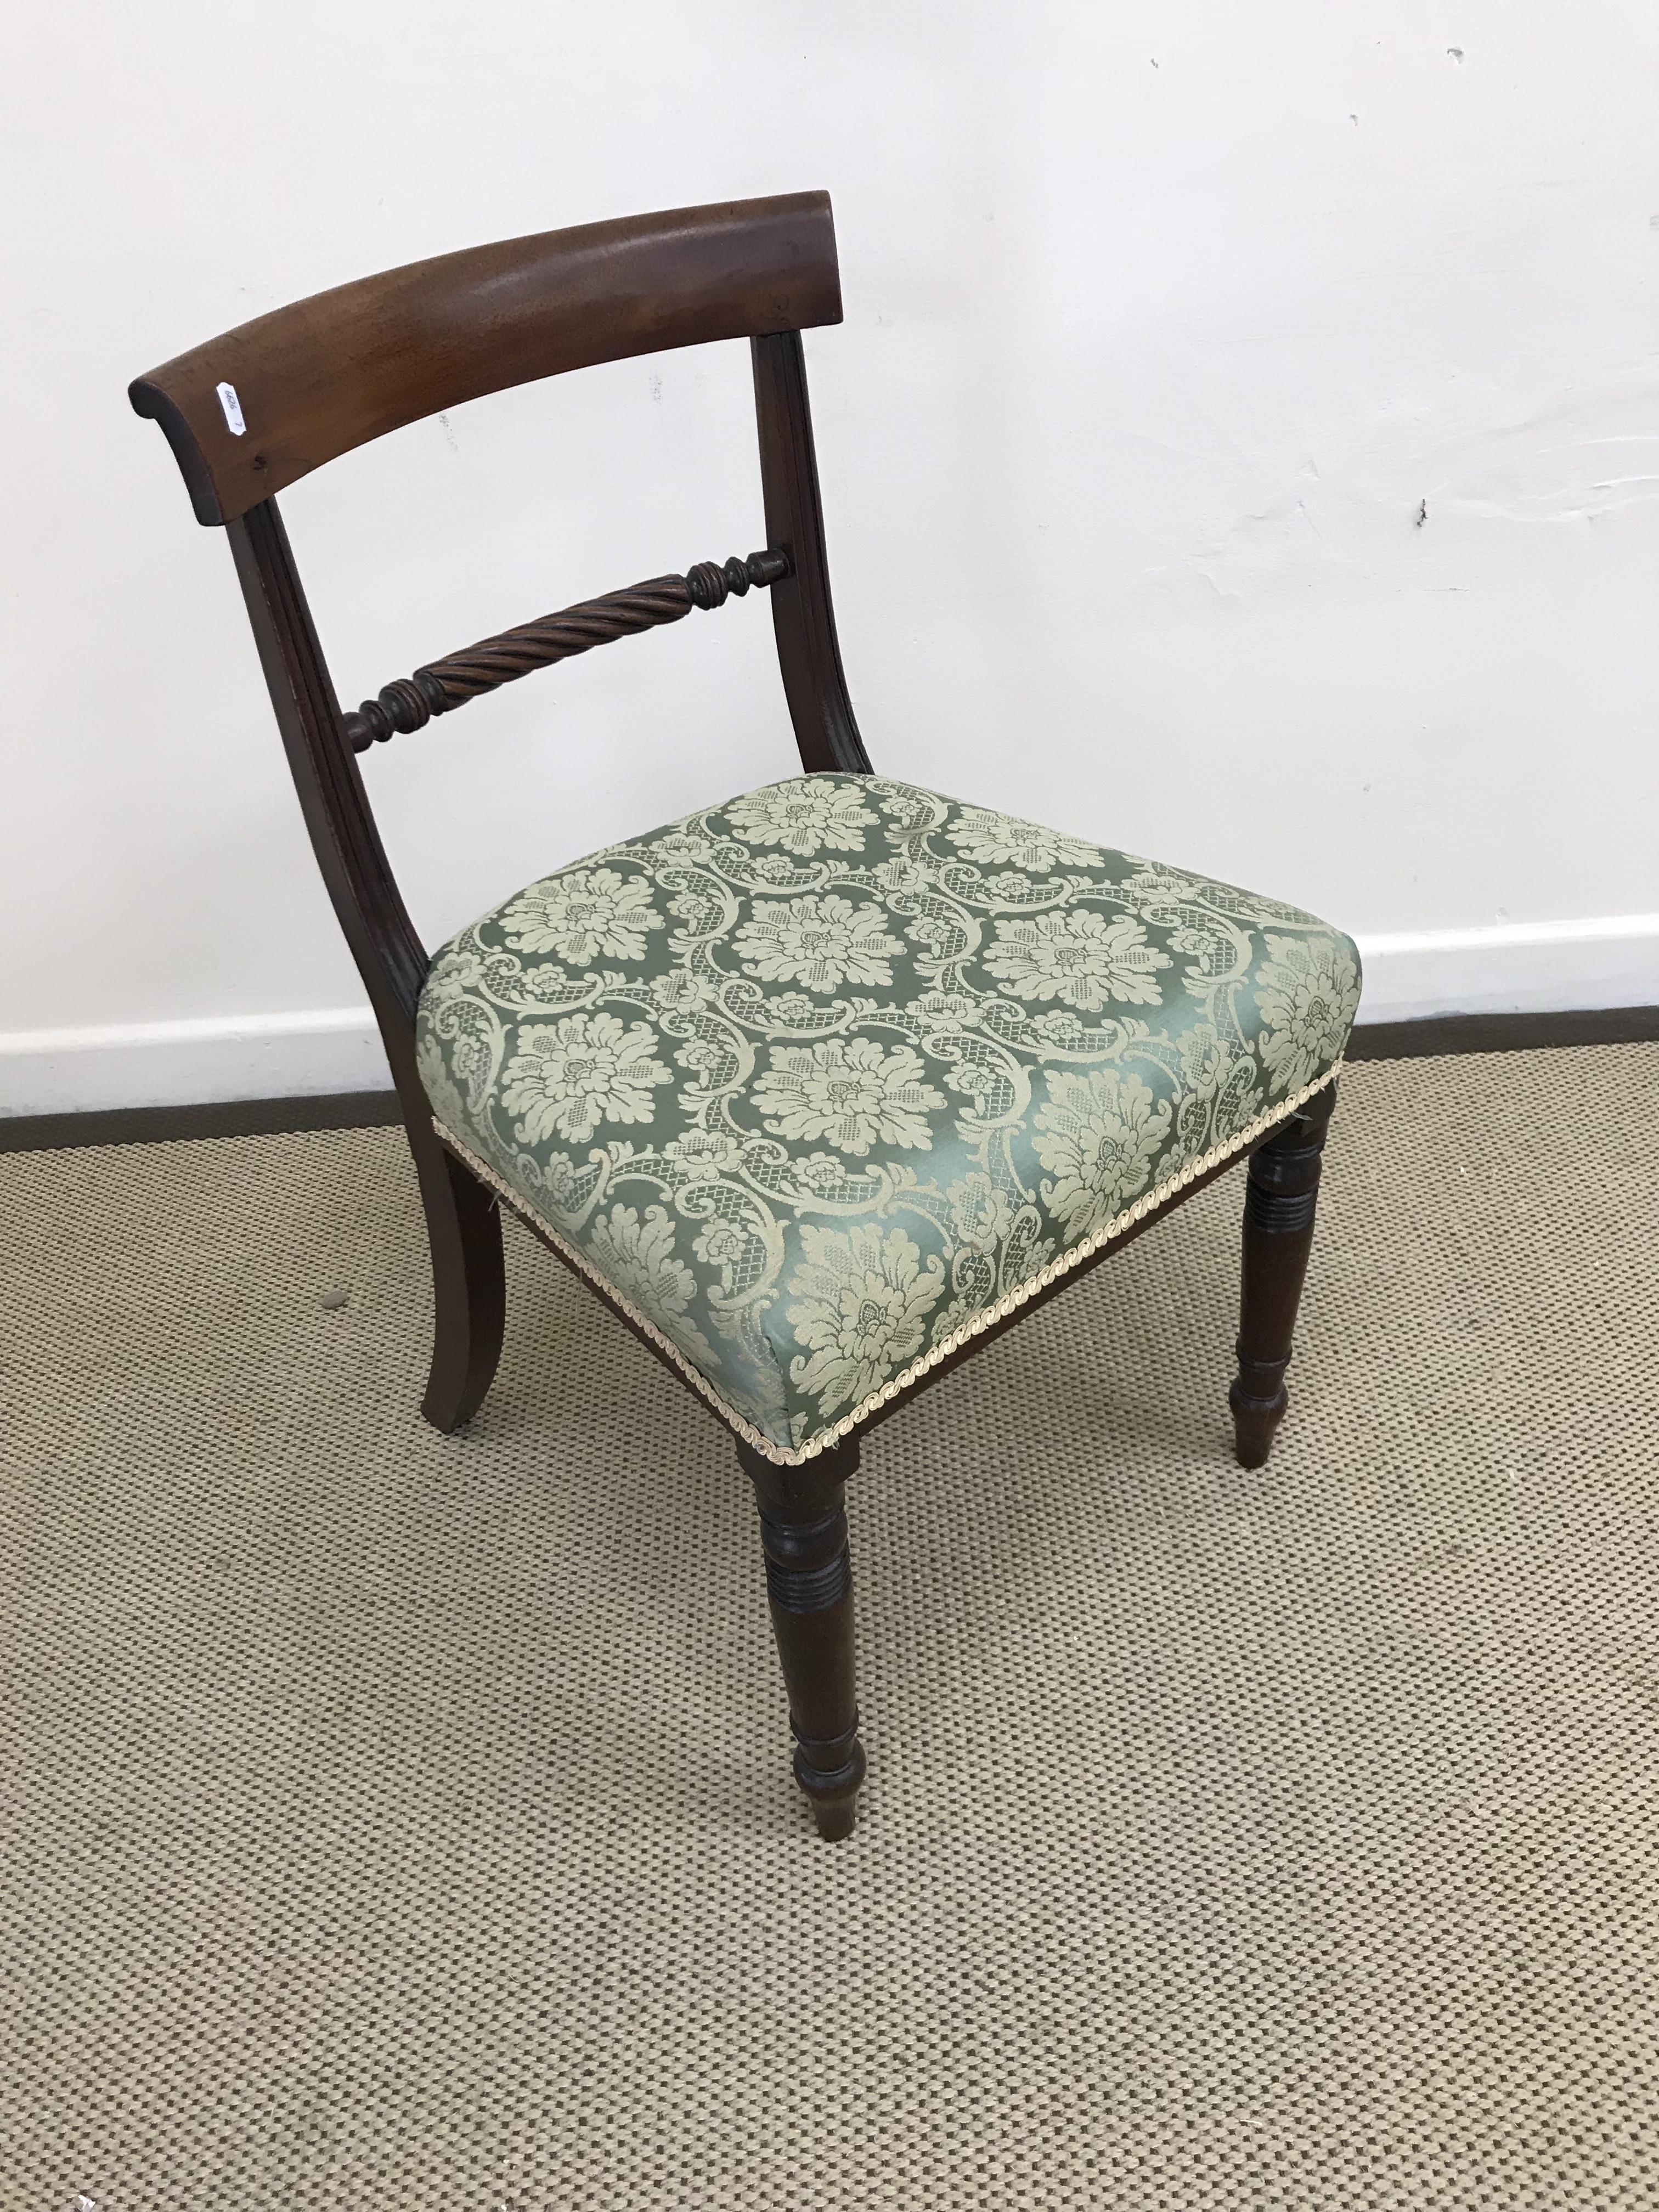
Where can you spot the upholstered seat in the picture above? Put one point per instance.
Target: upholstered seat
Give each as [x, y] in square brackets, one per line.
[816, 1083]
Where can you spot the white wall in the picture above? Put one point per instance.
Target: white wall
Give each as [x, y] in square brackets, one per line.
[1161, 326]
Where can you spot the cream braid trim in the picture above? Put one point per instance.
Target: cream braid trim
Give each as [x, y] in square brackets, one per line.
[782, 1455]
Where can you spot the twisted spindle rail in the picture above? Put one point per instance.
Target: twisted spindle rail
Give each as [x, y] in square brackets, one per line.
[407, 702]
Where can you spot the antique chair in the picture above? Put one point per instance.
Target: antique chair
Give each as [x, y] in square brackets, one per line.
[824, 1086]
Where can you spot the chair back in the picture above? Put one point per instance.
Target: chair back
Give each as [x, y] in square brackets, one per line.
[254, 411]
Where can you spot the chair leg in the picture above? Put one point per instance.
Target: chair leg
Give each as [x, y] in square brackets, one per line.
[469, 1284]
[809, 1587]
[1279, 1198]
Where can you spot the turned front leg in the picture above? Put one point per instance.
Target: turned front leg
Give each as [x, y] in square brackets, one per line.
[1279, 1199]
[809, 1587]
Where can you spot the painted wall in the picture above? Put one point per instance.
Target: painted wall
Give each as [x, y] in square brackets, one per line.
[1242, 444]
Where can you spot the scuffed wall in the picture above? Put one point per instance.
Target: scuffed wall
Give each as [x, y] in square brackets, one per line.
[1242, 444]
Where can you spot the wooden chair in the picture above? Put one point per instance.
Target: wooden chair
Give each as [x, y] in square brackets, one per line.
[826, 1085]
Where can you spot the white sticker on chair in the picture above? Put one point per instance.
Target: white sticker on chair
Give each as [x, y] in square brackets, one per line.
[233, 407]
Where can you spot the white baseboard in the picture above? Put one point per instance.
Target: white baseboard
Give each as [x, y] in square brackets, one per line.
[1513, 968]
[192, 1063]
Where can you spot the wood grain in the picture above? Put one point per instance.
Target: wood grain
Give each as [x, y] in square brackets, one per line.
[409, 702]
[462, 1226]
[317, 379]
[1280, 1198]
[803, 617]
[809, 1588]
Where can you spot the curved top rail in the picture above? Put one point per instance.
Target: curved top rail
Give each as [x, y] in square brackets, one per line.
[311, 382]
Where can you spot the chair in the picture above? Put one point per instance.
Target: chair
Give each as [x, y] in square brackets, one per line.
[824, 1086]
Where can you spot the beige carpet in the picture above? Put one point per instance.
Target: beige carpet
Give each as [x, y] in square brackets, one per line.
[396, 1821]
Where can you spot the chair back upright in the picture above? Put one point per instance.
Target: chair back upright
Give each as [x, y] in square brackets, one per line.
[254, 411]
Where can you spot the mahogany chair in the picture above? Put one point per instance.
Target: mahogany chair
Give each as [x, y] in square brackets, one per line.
[826, 1085]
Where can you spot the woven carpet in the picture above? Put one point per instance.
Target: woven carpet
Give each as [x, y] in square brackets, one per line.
[399, 1820]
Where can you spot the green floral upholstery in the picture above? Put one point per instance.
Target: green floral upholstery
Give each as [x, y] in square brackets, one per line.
[818, 1081]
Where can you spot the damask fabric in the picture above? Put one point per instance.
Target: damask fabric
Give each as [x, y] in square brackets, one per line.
[821, 1080]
